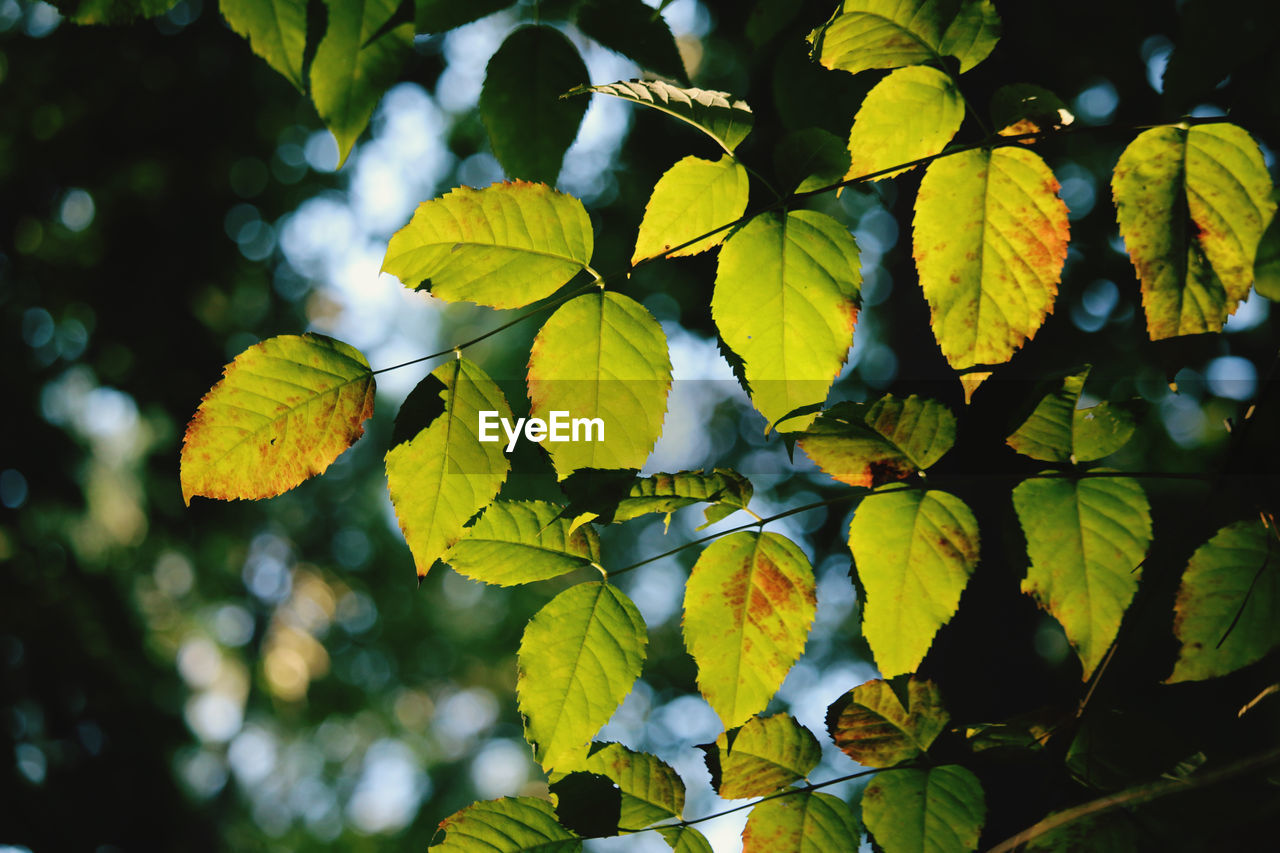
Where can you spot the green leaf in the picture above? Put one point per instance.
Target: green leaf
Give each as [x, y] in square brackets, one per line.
[635, 30]
[504, 246]
[508, 825]
[765, 755]
[691, 198]
[578, 658]
[872, 726]
[909, 115]
[1228, 604]
[1192, 205]
[438, 16]
[1266, 267]
[1086, 539]
[748, 605]
[685, 839]
[866, 34]
[276, 30]
[352, 69]
[717, 114]
[866, 445]
[990, 240]
[530, 125]
[1025, 108]
[651, 789]
[1057, 431]
[810, 159]
[516, 542]
[602, 356]
[445, 474]
[938, 810]
[282, 412]
[111, 11]
[785, 301]
[807, 822]
[725, 489]
[914, 552]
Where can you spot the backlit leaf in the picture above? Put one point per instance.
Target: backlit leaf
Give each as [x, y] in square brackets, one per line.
[691, 198]
[1086, 539]
[911, 114]
[990, 239]
[1057, 431]
[938, 810]
[437, 16]
[637, 31]
[685, 839]
[1025, 108]
[508, 825]
[808, 822]
[726, 490]
[717, 114]
[578, 658]
[276, 30]
[282, 412]
[530, 125]
[785, 301]
[602, 355]
[1228, 605]
[517, 542]
[810, 159]
[504, 246]
[651, 790]
[445, 474]
[867, 444]
[866, 34]
[748, 605]
[914, 552]
[764, 756]
[350, 72]
[872, 727]
[1192, 204]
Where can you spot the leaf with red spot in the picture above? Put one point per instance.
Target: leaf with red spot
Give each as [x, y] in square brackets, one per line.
[1192, 204]
[870, 444]
[990, 237]
[748, 605]
[804, 822]
[282, 412]
[872, 726]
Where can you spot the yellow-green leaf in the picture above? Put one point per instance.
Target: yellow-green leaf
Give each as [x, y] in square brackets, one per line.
[1228, 605]
[445, 474]
[282, 412]
[693, 197]
[685, 839]
[530, 125]
[352, 68]
[1192, 204]
[651, 789]
[938, 810]
[1057, 431]
[1086, 539]
[810, 159]
[785, 301]
[866, 34]
[914, 552]
[870, 444]
[276, 30]
[726, 490]
[806, 822]
[990, 239]
[578, 658]
[503, 246]
[872, 726]
[516, 542]
[601, 356]
[508, 825]
[719, 115]
[748, 605]
[911, 114]
[764, 756]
